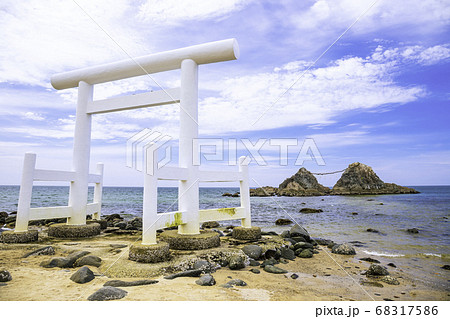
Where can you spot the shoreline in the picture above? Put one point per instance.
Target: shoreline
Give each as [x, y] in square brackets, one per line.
[319, 278]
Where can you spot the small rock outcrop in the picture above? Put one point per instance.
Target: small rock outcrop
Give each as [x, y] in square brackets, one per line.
[360, 179]
[264, 191]
[108, 293]
[302, 183]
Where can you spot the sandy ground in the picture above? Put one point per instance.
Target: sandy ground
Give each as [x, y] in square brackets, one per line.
[325, 277]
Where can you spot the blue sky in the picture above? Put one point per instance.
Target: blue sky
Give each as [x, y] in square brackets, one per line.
[379, 95]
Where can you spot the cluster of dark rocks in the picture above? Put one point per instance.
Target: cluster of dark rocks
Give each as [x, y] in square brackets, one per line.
[118, 222]
[231, 195]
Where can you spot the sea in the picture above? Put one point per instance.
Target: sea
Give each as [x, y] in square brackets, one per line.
[344, 219]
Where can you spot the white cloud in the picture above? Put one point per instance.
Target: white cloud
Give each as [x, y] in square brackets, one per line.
[40, 38]
[33, 116]
[177, 11]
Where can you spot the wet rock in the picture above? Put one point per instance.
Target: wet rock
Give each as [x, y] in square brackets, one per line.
[376, 270]
[203, 265]
[303, 245]
[252, 251]
[285, 234]
[413, 230]
[372, 284]
[322, 242]
[272, 253]
[343, 249]
[294, 276]
[274, 269]
[112, 217]
[82, 275]
[5, 276]
[211, 224]
[234, 282]
[187, 273]
[254, 263]
[255, 271]
[108, 293]
[298, 230]
[89, 260]
[310, 210]
[283, 221]
[371, 230]
[390, 280]
[287, 253]
[446, 267]
[392, 265]
[304, 253]
[370, 260]
[236, 262]
[227, 194]
[48, 250]
[206, 280]
[271, 261]
[134, 224]
[61, 262]
[235, 195]
[121, 283]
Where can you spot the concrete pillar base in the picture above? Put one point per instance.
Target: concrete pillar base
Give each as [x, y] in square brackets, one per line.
[204, 240]
[74, 231]
[242, 233]
[103, 223]
[149, 253]
[12, 237]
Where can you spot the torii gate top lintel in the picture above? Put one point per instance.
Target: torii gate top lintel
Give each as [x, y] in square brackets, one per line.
[211, 52]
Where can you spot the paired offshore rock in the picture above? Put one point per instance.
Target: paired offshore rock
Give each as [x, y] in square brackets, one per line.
[302, 183]
[357, 179]
[360, 179]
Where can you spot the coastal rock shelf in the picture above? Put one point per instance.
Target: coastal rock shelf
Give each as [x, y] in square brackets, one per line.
[357, 179]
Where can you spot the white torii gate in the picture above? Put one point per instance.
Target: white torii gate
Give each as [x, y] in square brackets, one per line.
[189, 216]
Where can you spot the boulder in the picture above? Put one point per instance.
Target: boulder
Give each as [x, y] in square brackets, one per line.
[187, 273]
[5, 276]
[234, 282]
[298, 230]
[47, 250]
[343, 249]
[108, 293]
[89, 260]
[310, 210]
[287, 253]
[83, 275]
[252, 251]
[283, 221]
[274, 269]
[304, 253]
[370, 260]
[206, 280]
[413, 230]
[376, 270]
[236, 262]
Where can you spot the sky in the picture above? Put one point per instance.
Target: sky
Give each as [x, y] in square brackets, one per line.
[366, 81]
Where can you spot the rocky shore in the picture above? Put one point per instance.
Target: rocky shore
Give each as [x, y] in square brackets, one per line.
[357, 179]
[291, 265]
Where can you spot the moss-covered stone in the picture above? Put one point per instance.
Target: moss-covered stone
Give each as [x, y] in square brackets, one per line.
[74, 231]
[242, 233]
[149, 253]
[204, 240]
[12, 237]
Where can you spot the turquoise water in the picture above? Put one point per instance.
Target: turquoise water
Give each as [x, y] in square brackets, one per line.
[428, 211]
